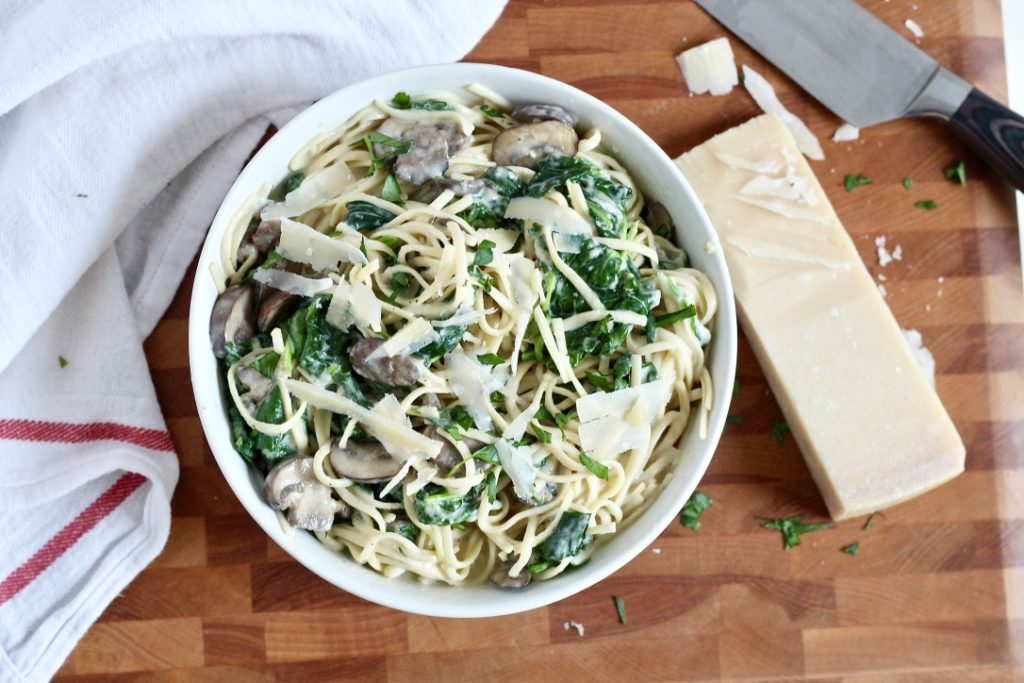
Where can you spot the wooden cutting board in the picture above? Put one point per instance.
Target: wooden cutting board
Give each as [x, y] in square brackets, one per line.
[936, 592]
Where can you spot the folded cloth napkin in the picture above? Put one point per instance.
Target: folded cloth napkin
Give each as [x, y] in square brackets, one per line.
[122, 125]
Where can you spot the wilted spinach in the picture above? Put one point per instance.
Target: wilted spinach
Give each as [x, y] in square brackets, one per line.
[606, 199]
[488, 207]
[568, 539]
[271, 450]
[366, 216]
[321, 349]
[448, 337]
[438, 506]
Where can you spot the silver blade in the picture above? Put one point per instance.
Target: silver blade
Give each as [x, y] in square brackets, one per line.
[836, 50]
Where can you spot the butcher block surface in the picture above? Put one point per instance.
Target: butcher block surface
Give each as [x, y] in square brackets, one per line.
[936, 591]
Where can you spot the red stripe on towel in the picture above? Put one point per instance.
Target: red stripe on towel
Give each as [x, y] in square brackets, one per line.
[67, 432]
[108, 501]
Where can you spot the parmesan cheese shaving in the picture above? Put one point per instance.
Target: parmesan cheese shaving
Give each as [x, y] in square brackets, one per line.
[312, 192]
[764, 94]
[709, 68]
[549, 215]
[387, 424]
[600, 404]
[416, 334]
[473, 383]
[292, 283]
[846, 133]
[303, 244]
[515, 461]
[354, 303]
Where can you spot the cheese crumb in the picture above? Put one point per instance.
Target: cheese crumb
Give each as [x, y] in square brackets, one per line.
[845, 133]
[921, 354]
[709, 247]
[884, 257]
[897, 253]
[882, 291]
[656, 551]
[580, 629]
[914, 28]
[882, 277]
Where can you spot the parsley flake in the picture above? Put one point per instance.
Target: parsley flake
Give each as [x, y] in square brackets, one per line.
[620, 609]
[779, 429]
[927, 204]
[851, 549]
[63, 361]
[792, 528]
[81, 195]
[957, 173]
[599, 470]
[907, 183]
[852, 182]
[490, 359]
[689, 516]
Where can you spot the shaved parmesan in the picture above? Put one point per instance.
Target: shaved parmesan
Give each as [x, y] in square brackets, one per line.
[709, 68]
[655, 396]
[521, 272]
[463, 317]
[846, 133]
[354, 303]
[548, 214]
[389, 426]
[473, 383]
[303, 244]
[503, 240]
[793, 189]
[764, 94]
[763, 166]
[786, 209]
[292, 283]
[609, 436]
[516, 463]
[517, 427]
[312, 192]
[416, 334]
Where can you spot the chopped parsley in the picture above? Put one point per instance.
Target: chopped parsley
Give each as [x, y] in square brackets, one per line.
[779, 429]
[599, 470]
[391, 192]
[620, 609]
[490, 359]
[63, 361]
[399, 283]
[484, 255]
[852, 182]
[927, 204]
[957, 173]
[81, 195]
[391, 148]
[491, 111]
[737, 389]
[907, 183]
[402, 100]
[870, 521]
[675, 316]
[792, 528]
[732, 420]
[694, 508]
[851, 549]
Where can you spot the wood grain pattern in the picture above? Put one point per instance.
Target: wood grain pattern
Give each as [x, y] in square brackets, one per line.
[935, 594]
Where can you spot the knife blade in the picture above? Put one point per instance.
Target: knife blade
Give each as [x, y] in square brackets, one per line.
[837, 51]
[866, 73]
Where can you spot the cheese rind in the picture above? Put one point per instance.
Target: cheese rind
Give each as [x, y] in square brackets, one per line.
[872, 430]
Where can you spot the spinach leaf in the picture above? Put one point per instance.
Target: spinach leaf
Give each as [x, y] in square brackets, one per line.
[402, 100]
[490, 111]
[568, 538]
[266, 364]
[448, 338]
[366, 216]
[606, 199]
[488, 207]
[454, 420]
[290, 183]
[615, 280]
[272, 449]
[404, 527]
[321, 349]
[599, 470]
[399, 283]
[438, 506]
[391, 191]
[241, 435]
[490, 359]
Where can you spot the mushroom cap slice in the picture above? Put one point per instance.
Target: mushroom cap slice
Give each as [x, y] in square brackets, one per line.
[658, 218]
[529, 144]
[395, 371]
[532, 113]
[233, 318]
[426, 159]
[275, 305]
[293, 486]
[267, 234]
[499, 577]
[364, 461]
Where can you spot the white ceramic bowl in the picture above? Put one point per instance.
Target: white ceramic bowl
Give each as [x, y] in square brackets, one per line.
[656, 175]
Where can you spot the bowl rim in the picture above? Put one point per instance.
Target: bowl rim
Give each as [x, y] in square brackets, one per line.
[210, 401]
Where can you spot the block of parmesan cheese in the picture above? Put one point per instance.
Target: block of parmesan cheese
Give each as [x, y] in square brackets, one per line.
[872, 430]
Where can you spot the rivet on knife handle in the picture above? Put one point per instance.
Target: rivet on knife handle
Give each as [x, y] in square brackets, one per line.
[994, 132]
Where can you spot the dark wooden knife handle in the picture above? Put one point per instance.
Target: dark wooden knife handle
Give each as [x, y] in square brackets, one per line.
[994, 132]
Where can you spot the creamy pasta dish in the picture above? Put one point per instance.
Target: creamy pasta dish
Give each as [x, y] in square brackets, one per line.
[458, 341]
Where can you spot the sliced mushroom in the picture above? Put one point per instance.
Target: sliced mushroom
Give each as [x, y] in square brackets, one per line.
[658, 219]
[233, 318]
[541, 495]
[293, 486]
[500, 577]
[396, 371]
[449, 457]
[532, 113]
[531, 143]
[258, 386]
[432, 143]
[275, 305]
[266, 235]
[244, 253]
[364, 461]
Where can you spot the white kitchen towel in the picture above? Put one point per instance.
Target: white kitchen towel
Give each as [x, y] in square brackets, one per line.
[122, 124]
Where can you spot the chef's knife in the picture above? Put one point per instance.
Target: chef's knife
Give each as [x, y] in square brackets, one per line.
[867, 73]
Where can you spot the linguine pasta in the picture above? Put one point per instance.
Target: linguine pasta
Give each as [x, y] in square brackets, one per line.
[472, 369]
